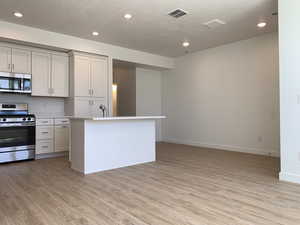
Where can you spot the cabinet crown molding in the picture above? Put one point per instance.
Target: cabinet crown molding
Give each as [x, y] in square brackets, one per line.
[34, 49]
[84, 54]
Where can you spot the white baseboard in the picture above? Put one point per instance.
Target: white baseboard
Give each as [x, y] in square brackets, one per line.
[289, 177]
[256, 151]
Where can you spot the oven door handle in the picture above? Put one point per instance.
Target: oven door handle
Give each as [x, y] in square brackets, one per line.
[17, 125]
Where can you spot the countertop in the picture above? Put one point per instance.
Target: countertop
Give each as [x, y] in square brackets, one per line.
[117, 118]
[50, 116]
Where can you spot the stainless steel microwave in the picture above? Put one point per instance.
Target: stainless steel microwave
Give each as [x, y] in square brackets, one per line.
[15, 82]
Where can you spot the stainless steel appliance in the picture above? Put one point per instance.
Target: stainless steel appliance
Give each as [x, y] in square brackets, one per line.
[14, 82]
[17, 133]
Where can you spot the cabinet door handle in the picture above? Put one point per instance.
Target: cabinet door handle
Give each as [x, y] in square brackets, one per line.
[92, 91]
[44, 146]
[13, 66]
[9, 66]
[45, 132]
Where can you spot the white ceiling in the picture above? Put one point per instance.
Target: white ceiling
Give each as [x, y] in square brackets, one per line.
[150, 29]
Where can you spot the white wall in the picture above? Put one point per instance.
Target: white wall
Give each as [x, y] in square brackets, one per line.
[42, 37]
[225, 97]
[40, 106]
[289, 42]
[148, 95]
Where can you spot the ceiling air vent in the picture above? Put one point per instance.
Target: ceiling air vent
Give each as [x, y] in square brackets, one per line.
[214, 23]
[177, 13]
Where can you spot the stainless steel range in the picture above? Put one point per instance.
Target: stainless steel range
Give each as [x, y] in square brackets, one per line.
[17, 133]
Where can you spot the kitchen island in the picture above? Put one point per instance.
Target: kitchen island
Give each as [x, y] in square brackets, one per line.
[104, 143]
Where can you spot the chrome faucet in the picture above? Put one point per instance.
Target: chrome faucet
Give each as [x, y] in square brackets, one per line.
[103, 109]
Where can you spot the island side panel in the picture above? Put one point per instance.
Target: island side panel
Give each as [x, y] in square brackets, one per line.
[77, 145]
[118, 143]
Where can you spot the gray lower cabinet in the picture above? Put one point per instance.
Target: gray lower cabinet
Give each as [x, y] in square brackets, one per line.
[52, 135]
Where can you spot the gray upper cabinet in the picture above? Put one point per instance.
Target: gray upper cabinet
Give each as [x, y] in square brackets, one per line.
[21, 61]
[5, 59]
[41, 74]
[90, 76]
[99, 77]
[50, 74]
[60, 75]
[81, 77]
[15, 60]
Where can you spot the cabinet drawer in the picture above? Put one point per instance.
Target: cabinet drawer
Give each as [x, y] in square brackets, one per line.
[44, 122]
[44, 132]
[43, 147]
[61, 121]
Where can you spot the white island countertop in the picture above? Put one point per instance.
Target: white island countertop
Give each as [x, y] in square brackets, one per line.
[117, 118]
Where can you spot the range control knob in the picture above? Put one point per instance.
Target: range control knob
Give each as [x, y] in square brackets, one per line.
[4, 119]
[24, 119]
[28, 118]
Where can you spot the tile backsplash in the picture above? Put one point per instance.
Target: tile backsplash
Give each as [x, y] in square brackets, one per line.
[40, 106]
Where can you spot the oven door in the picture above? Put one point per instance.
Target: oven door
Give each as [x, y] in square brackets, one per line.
[17, 136]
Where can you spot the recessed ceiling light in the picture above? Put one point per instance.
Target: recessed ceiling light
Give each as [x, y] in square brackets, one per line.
[261, 24]
[185, 44]
[127, 16]
[95, 33]
[18, 14]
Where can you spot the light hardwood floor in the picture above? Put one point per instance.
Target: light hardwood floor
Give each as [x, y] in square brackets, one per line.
[186, 186]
